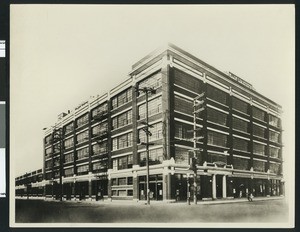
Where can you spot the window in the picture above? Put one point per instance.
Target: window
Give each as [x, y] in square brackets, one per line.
[115, 164]
[215, 138]
[69, 128]
[274, 121]
[49, 151]
[114, 102]
[181, 155]
[122, 120]
[258, 114]
[82, 137]
[155, 157]
[153, 81]
[122, 98]
[122, 181]
[274, 136]
[240, 163]
[99, 166]
[240, 144]
[275, 168]
[187, 81]
[154, 107]
[69, 172]
[239, 105]
[274, 152]
[130, 161]
[48, 164]
[123, 162]
[216, 95]
[48, 139]
[69, 157]
[129, 180]
[239, 124]
[124, 141]
[100, 129]
[258, 166]
[129, 192]
[114, 181]
[216, 116]
[156, 131]
[68, 143]
[212, 157]
[99, 149]
[259, 149]
[258, 131]
[101, 109]
[82, 120]
[183, 131]
[84, 169]
[183, 105]
[83, 153]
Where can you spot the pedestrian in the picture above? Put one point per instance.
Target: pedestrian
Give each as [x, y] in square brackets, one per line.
[177, 195]
[250, 197]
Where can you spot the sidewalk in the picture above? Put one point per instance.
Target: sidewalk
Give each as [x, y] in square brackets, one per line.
[209, 202]
[143, 202]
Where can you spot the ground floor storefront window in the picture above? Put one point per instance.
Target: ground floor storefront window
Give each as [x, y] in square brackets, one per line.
[155, 186]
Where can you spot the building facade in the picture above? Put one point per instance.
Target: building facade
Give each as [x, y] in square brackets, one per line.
[232, 137]
[30, 184]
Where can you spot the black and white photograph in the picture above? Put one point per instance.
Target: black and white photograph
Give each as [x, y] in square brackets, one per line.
[152, 116]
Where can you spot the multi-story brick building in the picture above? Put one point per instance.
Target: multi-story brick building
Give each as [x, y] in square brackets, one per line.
[98, 148]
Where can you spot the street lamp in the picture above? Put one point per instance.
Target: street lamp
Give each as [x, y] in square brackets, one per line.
[147, 90]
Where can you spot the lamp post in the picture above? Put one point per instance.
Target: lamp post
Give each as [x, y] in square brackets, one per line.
[147, 90]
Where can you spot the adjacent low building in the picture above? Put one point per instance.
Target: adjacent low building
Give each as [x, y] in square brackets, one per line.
[232, 147]
[30, 184]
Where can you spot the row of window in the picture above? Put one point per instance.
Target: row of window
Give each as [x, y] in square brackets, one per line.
[186, 106]
[182, 157]
[84, 169]
[155, 157]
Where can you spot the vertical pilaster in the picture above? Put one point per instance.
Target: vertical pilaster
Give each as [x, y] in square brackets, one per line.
[166, 184]
[268, 188]
[229, 124]
[135, 187]
[267, 136]
[135, 114]
[166, 106]
[109, 108]
[224, 187]
[74, 190]
[90, 189]
[90, 140]
[204, 121]
[251, 135]
[109, 188]
[214, 187]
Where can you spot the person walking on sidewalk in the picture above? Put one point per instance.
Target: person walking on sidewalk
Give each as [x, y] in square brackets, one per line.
[250, 197]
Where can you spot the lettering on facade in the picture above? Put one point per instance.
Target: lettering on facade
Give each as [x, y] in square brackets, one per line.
[240, 80]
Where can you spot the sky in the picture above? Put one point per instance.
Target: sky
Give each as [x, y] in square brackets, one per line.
[60, 55]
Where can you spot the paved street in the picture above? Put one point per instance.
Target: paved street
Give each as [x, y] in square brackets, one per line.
[34, 211]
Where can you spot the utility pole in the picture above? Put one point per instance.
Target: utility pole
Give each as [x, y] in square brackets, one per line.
[147, 90]
[199, 100]
[58, 136]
